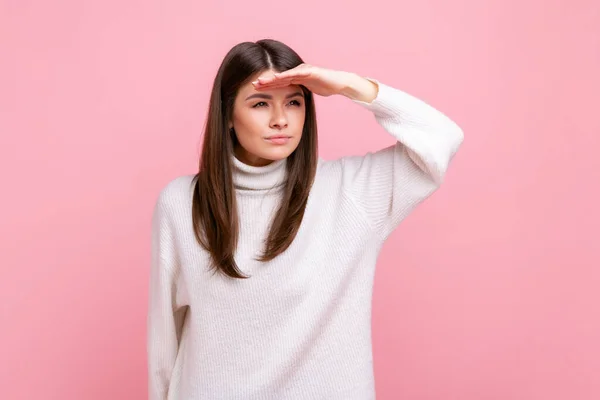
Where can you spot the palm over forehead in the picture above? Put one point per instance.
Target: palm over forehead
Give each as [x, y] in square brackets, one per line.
[299, 73]
[301, 70]
[321, 81]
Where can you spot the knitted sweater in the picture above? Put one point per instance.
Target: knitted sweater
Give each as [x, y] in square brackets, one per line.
[300, 326]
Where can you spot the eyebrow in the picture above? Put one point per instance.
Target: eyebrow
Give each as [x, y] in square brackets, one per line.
[269, 97]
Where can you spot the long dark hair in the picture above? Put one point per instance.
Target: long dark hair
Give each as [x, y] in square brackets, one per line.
[214, 210]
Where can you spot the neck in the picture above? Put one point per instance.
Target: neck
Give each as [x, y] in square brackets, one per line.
[250, 177]
[250, 159]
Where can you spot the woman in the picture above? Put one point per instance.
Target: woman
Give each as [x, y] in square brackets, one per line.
[263, 262]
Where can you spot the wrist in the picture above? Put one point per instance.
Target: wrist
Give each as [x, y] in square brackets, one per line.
[360, 89]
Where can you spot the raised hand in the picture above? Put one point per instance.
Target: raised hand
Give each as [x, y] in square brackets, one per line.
[320, 81]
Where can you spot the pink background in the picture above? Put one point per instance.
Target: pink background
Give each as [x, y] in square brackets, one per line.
[490, 290]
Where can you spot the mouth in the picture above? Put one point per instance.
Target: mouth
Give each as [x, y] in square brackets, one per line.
[278, 139]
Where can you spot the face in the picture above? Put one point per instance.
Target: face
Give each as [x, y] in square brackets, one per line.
[268, 123]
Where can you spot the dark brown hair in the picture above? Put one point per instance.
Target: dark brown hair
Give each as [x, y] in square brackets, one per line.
[214, 210]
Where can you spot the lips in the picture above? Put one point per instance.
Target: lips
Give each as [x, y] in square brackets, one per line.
[278, 139]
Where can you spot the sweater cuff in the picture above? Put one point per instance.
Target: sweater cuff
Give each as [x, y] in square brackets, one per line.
[388, 103]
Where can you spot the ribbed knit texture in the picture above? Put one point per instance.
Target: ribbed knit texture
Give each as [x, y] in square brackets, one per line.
[300, 326]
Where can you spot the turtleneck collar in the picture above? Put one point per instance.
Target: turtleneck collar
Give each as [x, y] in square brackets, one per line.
[259, 178]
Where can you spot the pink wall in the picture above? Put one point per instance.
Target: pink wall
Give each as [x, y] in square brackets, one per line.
[488, 291]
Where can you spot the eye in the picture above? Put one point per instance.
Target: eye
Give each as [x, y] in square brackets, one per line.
[295, 103]
[259, 104]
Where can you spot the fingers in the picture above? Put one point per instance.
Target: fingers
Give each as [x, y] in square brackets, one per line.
[294, 76]
[301, 71]
[274, 83]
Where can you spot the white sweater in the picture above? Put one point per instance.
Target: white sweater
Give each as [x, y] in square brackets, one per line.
[300, 326]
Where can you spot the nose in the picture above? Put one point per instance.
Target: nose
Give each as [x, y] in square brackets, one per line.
[278, 119]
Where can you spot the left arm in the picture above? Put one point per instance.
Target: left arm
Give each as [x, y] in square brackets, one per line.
[386, 185]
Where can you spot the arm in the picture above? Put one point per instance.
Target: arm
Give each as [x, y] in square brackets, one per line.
[164, 321]
[388, 184]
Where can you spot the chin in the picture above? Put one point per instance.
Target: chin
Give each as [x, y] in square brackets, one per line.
[277, 154]
[261, 154]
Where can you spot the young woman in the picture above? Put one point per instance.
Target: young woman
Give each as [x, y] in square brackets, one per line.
[263, 262]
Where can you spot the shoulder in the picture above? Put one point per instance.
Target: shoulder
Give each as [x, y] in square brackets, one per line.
[332, 173]
[176, 193]
[328, 169]
[338, 169]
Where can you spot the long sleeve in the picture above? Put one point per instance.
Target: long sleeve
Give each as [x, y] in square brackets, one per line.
[388, 184]
[164, 317]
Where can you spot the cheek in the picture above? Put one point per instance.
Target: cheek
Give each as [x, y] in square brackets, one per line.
[298, 118]
[249, 125]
